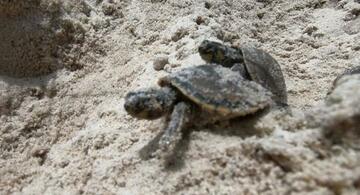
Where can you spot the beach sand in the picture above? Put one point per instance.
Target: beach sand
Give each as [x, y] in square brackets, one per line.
[65, 69]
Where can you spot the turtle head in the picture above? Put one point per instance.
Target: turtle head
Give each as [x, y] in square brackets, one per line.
[149, 103]
[214, 52]
[211, 51]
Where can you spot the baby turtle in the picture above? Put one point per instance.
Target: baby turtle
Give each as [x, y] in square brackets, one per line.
[252, 63]
[197, 96]
[351, 71]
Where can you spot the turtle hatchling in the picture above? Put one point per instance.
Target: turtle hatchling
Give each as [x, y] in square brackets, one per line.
[252, 63]
[351, 71]
[197, 96]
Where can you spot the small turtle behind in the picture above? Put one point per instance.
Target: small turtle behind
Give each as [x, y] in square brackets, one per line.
[195, 97]
[351, 71]
[251, 63]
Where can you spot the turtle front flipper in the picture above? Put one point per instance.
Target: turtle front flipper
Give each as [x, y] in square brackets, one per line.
[179, 119]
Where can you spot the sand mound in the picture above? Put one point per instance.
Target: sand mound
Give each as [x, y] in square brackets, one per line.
[33, 35]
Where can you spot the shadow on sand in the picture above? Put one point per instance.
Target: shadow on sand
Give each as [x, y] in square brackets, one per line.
[242, 127]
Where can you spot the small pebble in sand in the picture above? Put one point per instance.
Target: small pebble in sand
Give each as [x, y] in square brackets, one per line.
[199, 20]
[160, 62]
[207, 5]
[40, 153]
[310, 29]
[352, 27]
[169, 67]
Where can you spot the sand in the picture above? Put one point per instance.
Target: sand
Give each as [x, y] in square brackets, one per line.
[65, 67]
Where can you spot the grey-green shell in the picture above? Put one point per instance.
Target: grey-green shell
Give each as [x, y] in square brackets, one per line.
[266, 71]
[220, 90]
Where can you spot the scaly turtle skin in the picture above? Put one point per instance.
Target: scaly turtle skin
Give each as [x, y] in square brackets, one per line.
[195, 97]
[251, 63]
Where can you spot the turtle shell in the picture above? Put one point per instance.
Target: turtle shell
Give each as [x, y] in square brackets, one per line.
[219, 90]
[266, 71]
